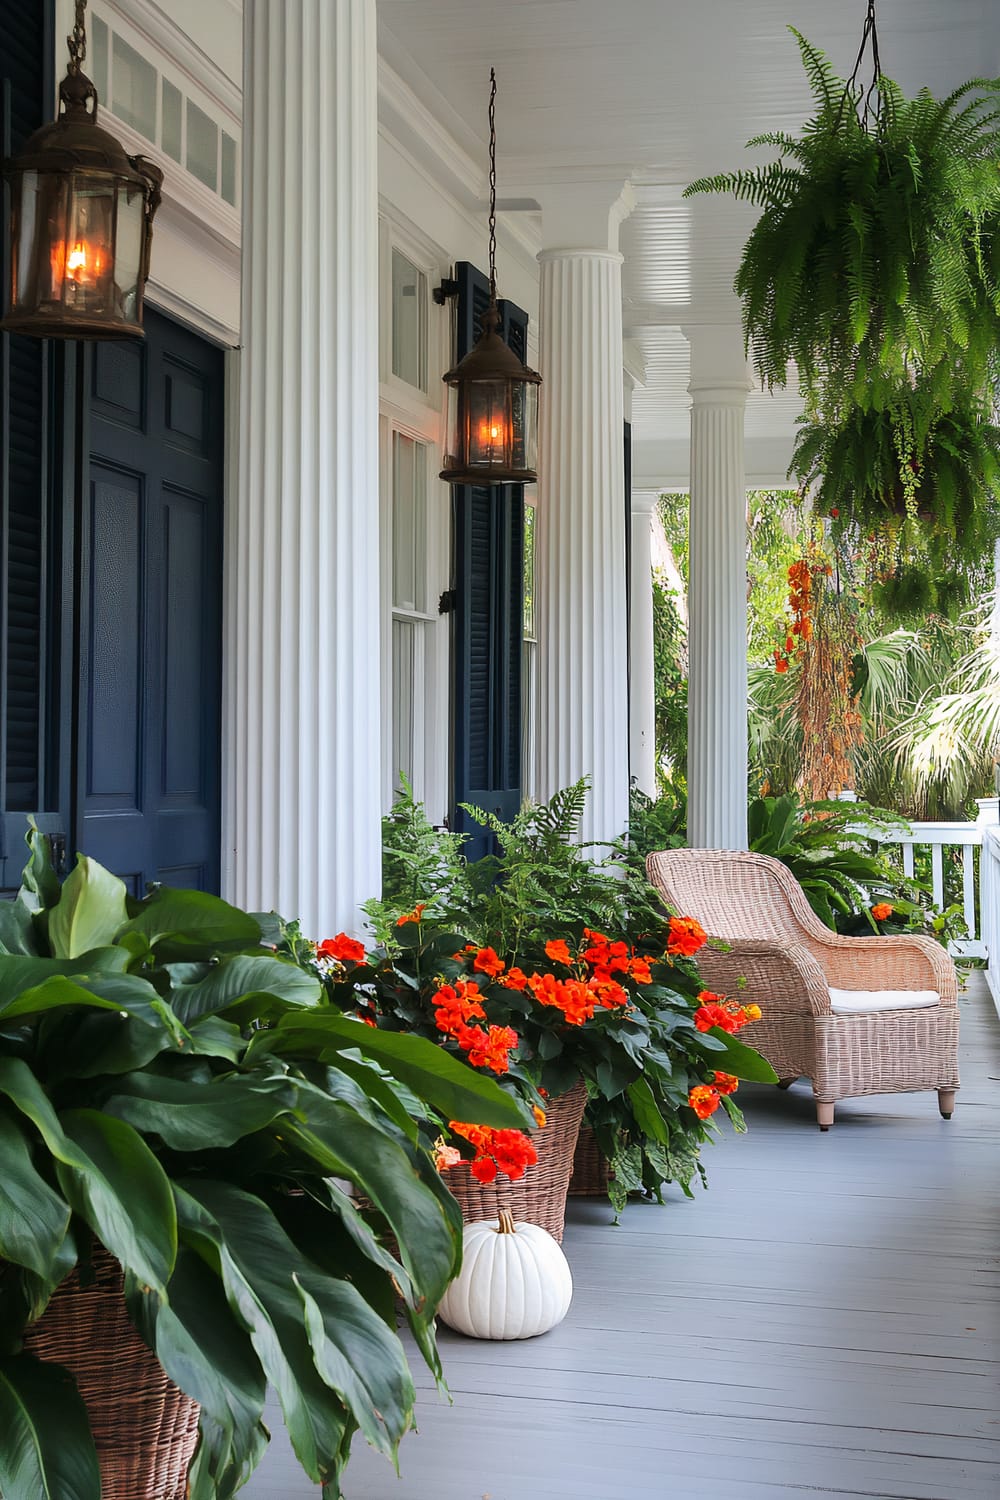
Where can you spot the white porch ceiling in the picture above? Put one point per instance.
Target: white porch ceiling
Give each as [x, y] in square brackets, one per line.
[662, 91]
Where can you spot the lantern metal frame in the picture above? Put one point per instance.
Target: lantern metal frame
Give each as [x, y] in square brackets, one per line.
[491, 368]
[73, 158]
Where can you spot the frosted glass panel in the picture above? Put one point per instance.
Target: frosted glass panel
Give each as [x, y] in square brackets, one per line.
[134, 82]
[409, 523]
[228, 188]
[202, 146]
[404, 643]
[173, 115]
[409, 321]
[99, 55]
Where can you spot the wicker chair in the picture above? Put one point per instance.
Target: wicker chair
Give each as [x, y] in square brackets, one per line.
[874, 1015]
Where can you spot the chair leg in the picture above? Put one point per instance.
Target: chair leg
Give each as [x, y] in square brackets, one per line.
[785, 1083]
[824, 1113]
[946, 1102]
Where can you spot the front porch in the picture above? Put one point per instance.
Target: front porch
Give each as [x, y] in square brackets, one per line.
[825, 1319]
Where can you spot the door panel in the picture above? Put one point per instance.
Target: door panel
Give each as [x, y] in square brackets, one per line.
[150, 649]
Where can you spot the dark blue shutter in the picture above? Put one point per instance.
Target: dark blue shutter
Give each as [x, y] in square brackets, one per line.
[25, 451]
[489, 611]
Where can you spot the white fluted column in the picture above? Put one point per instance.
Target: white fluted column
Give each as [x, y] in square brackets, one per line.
[302, 804]
[582, 705]
[717, 594]
[641, 664]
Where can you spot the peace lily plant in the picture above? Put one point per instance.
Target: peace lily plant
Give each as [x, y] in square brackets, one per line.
[172, 1090]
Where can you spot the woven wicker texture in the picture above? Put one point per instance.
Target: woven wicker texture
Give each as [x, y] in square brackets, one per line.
[789, 959]
[539, 1197]
[591, 1170]
[145, 1428]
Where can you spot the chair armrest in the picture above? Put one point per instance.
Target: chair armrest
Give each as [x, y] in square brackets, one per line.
[779, 977]
[899, 962]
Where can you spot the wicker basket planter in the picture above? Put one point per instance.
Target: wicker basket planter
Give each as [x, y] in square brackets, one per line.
[591, 1169]
[539, 1197]
[144, 1427]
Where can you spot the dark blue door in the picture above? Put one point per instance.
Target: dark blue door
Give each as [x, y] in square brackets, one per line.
[148, 761]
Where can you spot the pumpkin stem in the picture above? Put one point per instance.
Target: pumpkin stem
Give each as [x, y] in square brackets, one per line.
[506, 1225]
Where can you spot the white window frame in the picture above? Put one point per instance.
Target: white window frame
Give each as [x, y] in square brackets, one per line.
[419, 415]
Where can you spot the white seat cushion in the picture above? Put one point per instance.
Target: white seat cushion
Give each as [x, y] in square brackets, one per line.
[858, 1002]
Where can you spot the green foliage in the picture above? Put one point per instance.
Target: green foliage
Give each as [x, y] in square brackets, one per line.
[876, 250]
[172, 1090]
[669, 679]
[912, 490]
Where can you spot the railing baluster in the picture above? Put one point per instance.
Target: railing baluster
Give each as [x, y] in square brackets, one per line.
[969, 887]
[937, 875]
[908, 861]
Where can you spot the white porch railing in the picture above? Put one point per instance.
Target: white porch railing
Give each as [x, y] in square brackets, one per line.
[989, 900]
[937, 837]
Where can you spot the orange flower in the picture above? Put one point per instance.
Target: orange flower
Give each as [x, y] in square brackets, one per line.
[558, 952]
[515, 979]
[704, 1100]
[752, 1012]
[780, 664]
[726, 1083]
[412, 916]
[507, 1151]
[488, 1048]
[455, 1007]
[342, 948]
[707, 1016]
[540, 1116]
[686, 936]
[639, 969]
[881, 911]
[487, 962]
[789, 643]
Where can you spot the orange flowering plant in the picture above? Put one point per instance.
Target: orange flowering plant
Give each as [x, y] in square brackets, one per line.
[540, 967]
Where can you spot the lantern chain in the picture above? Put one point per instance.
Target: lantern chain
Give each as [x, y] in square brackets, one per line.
[493, 186]
[77, 41]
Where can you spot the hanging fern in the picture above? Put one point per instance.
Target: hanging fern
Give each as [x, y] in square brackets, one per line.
[877, 251]
[914, 491]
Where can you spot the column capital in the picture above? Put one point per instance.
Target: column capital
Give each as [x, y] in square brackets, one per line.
[583, 218]
[720, 371]
[643, 502]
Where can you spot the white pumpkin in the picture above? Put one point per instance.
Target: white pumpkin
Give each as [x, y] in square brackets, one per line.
[514, 1283]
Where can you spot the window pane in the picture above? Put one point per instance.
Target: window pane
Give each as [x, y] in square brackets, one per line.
[409, 322]
[134, 88]
[173, 105]
[202, 146]
[404, 641]
[99, 49]
[228, 188]
[409, 523]
[529, 571]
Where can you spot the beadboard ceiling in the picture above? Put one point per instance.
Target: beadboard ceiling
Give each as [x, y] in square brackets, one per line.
[662, 91]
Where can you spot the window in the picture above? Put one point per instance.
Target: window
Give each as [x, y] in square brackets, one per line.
[410, 621]
[529, 663]
[409, 321]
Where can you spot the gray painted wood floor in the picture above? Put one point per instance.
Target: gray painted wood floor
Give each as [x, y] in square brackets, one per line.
[825, 1320]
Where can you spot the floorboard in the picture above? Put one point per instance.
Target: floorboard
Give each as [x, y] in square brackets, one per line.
[823, 1321]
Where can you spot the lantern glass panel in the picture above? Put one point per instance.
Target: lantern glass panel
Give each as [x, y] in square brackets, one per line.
[83, 261]
[130, 237]
[525, 408]
[489, 424]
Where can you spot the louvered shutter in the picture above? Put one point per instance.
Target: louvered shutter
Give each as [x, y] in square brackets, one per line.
[25, 34]
[489, 584]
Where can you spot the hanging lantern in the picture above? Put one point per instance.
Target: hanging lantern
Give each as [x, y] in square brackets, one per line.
[81, 220]
[492, 433]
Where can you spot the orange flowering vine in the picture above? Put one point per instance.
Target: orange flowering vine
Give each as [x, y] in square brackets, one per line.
[686, 936]
[507, 1151]
[557, 951]
[487, 961]
[412, 916]
[704, 1099]
[725, 1083]
[342, 949]
[882, 910]
[727, 1015]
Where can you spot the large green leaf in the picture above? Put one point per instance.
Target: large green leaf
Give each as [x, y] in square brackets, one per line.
[125, 993]
[122, 1192]
[39, 882]
[96, 1043]
[207, 1352]
[46, 1450]
[183, 924]
[21, 973]
[358, 1357]
[450, 1086]
[343, 1144]
[256, 981]
[118, 1191]
[193, 1116]
[17, 930]
[736, 1058]
[33, 1218]
[257, 1262]
[90, 909]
